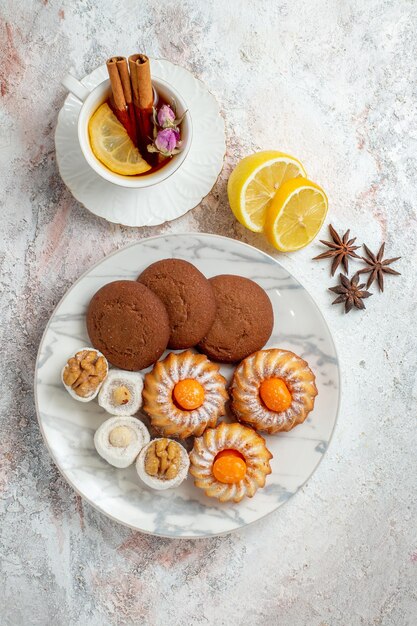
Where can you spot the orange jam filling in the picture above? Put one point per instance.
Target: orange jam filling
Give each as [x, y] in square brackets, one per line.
[275, 395]
[229, 467]
[188, 394]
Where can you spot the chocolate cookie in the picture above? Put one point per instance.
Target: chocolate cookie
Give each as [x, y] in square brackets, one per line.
[244, 319]
[128, 323]
[188, 298]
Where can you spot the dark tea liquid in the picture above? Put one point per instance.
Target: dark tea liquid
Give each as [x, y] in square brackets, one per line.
[154, 159]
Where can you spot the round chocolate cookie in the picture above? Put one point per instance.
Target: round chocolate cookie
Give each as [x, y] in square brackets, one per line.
[244, 319]
[128, 323]
[188, 298]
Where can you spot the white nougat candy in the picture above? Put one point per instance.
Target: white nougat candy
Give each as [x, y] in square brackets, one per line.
[121, 393]
[120, 439]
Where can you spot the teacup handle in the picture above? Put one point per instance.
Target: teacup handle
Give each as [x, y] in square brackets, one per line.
[75, 87]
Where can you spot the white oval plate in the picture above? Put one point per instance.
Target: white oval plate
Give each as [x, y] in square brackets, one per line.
[68, 426]
[176, 195]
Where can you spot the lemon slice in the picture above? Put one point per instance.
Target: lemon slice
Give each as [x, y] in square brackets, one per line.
[112, 145]
[254, 182]
[296, 214]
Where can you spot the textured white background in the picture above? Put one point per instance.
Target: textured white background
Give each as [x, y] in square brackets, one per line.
[333, 82]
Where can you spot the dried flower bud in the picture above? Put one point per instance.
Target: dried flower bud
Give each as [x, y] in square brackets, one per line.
[166, 116]
[167, 141]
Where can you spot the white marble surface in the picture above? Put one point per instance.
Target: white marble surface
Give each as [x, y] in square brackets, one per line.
[335, 84]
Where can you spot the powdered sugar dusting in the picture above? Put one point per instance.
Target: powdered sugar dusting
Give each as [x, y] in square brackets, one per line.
[294, 371]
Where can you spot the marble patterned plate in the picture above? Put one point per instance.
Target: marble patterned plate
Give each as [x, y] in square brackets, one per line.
[68, 426]
[176, 195]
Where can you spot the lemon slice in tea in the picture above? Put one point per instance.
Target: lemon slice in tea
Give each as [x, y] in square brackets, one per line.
[112, 145]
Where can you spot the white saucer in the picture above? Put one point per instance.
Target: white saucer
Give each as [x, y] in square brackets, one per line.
[171, 198]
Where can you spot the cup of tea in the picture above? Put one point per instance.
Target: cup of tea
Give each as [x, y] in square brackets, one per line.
[163, 92]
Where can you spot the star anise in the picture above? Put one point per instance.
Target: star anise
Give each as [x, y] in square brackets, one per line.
[350, 292]
[341, 248]
[377, 267]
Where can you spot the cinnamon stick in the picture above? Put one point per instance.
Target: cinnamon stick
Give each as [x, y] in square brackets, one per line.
[140, 74]
[118, 96]
[123, 70]
[140, 68]
[121, 100]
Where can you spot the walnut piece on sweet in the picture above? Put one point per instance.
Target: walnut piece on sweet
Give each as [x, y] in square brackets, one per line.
[163, 459]
[84, 372]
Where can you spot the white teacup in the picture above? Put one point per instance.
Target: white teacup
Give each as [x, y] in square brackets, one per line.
[93, 99]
